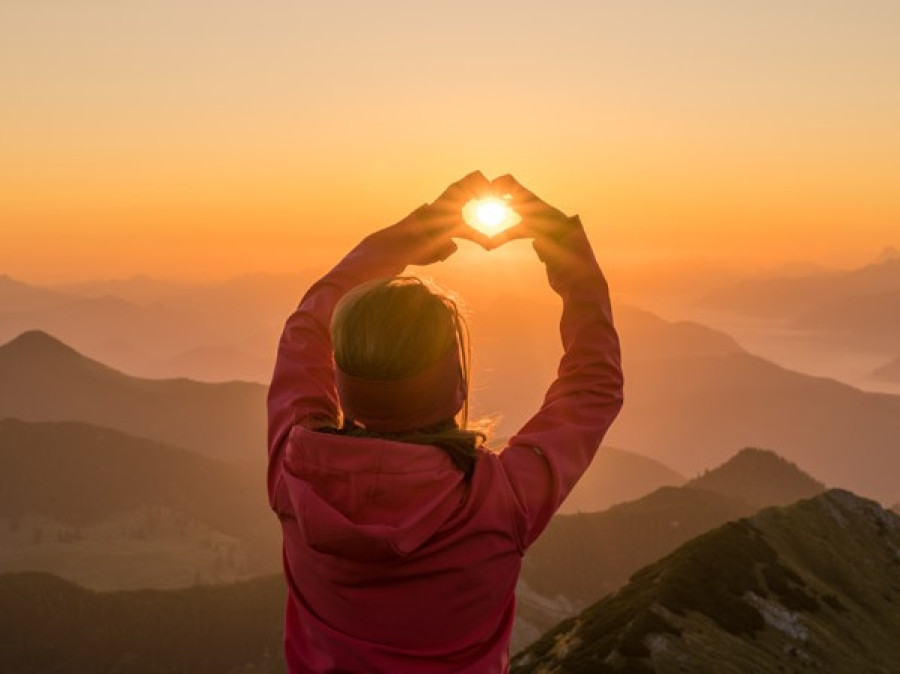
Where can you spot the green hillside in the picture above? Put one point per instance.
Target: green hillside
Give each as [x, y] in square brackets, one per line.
[584, 557]
[581, 558]
[809, 587]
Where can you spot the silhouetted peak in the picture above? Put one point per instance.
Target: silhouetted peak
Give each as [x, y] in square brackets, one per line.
[758, 457]
[39, 344]
[759, 476]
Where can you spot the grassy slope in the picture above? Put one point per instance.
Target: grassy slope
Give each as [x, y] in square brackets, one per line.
[809, 587]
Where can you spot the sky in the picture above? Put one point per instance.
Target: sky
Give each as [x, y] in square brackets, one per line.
[201, 140]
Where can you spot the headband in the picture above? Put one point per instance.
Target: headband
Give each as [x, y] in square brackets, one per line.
[427, 397]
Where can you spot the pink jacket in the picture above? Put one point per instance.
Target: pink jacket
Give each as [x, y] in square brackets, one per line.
[393, 562]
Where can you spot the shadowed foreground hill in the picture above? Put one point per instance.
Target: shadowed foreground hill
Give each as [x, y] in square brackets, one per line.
[49, 625]
[112, 511]
[42, 379]
[809, 587]
[581, 558]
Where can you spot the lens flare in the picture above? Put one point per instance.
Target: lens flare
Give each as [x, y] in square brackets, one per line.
[490, 215]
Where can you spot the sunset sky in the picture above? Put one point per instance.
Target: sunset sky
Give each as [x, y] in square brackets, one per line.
[192, 139]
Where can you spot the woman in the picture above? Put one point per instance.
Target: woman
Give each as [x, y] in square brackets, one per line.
[403, 536]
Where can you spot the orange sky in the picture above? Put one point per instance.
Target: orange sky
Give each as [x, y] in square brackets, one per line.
[193, 139]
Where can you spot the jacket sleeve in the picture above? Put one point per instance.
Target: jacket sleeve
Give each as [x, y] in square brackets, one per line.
[302, 391]
[545, 459]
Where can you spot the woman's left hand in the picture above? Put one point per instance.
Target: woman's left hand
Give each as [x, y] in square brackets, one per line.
[428, 232]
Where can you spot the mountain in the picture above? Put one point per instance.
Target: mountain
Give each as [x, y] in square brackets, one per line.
[759, 477]
[140, 288]
[809, 587]
[92, 323]
[19, 297]
[144, 326]
[870, 320]
[859, 307]
[113, 511]
[503, 384]
[890, 371]
[42, 379]
[705, 404]
[262, 294]
[51, 625]
[786, 297]
[693, 388]
[581, 558]
[616, 476]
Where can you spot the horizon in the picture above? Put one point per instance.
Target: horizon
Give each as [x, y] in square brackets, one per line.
[164, 139]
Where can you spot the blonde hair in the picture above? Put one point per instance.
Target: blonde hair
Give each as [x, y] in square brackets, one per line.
[393, 328]
[396, 327]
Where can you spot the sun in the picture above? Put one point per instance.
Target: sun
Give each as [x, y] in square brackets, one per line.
[490, 215]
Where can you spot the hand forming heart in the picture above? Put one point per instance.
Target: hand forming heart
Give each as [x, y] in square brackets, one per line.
[489, 213]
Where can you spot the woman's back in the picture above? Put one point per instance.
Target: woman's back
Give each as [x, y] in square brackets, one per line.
[392, 544]
[401, 556]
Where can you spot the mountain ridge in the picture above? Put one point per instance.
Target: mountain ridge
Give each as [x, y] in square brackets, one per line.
[43, 379]
[779, 590]
[581, 558]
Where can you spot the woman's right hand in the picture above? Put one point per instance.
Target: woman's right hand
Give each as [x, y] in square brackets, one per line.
[426, 235]
[539, 221]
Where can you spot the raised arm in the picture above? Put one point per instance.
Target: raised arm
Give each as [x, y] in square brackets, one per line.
[545, 459]
[302, 391]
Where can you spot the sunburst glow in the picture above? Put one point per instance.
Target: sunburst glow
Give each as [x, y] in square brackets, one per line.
[490, 215]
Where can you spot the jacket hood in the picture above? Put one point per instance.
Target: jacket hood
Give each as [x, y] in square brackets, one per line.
[369, 498]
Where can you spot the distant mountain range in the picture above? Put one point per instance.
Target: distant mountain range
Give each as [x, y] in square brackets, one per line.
[152, 328]
[692, 397]
[859, 307]
[113, 511]
[788, 295]
[49, 625]
[581, 558]
[707, 405]
[813, 586]
[42, 379]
